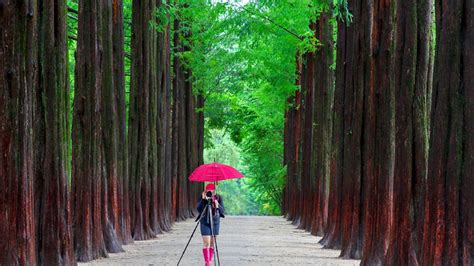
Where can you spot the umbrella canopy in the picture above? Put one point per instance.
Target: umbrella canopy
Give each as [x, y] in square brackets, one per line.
[214, 172]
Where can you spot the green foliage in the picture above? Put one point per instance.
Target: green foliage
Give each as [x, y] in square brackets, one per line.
[239, 199]
[243, 60]
[341, 10]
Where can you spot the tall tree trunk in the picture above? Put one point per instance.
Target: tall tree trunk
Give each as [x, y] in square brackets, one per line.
[322, 123]
[122, 151]
[380, 125]
[110, 128]
[411, 67]
[307, 90]
[154, 99]
[87, 164]
[292, 156]
[18, 40]
[350, 102]
[174, 143]
[180, 84]
[200, 126]
[51, 128]
[142, 126]
[191, 131]
[449, 217]
[333, 235]
[164, 132]
[294, 102]
[191, 143]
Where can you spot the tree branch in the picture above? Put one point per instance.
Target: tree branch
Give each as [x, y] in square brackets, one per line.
[269, 20]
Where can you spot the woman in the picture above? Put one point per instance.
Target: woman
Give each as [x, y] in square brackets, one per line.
[217, 206]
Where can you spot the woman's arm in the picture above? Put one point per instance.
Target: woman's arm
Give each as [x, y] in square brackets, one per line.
[200, 206]
[221, 204]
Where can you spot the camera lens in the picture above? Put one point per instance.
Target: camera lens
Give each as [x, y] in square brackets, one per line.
[209, 194]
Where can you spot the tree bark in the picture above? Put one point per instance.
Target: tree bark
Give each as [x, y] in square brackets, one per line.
[18, 40]
[122, 151]
[333, 235]
[142, 124]
[410, 70]
[350, 113]
[164, 132]
[153, 158]
[322, 123]
[307, 91]
[87, 185]
[449, 217]
[51, 131]
[380, 137]
[192, 141]
[293, 134]
[110, 129]
[185, 191]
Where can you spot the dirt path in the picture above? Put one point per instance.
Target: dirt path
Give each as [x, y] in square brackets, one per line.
[244, 240]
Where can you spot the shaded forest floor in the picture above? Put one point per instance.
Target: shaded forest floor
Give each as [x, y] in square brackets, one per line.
[244, 240]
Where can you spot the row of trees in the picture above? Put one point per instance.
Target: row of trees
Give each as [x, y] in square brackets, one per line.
[127, 176]
[381, 164]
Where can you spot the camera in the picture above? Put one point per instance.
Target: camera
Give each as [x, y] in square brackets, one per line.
[208, 194]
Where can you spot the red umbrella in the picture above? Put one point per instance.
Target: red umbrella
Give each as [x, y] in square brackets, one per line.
[214, 172]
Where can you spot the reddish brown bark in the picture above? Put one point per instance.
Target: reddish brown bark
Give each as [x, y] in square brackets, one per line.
[333, 234]
[322, 123]
[467, 183]
[289, 147]
[153, 163]
[164, 137]
[192, 142]
[380, 137]
[349, 131]
[293, 133]
[119, 86]
[87, 138]
[307, 90]
[191, 131]
[448, 232]
[142, 126]
[411, 68]
[185, 126]
[110, 129]
[52, 195]
[174, 148]
[18, 37]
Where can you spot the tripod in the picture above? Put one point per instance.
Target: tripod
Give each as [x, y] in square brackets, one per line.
[208, 207]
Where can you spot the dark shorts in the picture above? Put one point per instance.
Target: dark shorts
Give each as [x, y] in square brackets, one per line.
[206, 229]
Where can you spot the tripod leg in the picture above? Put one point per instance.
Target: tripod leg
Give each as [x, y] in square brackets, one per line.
[217, 251]
[214, 239]
[199, 220]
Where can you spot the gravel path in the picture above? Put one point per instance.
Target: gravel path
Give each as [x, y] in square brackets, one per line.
[244, 240]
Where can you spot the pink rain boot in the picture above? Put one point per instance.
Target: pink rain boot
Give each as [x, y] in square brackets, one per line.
[211, 255]
[205, 253]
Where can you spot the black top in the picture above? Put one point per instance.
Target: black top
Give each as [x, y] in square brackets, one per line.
[216, 213]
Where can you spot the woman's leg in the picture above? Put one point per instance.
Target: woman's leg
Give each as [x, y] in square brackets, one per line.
[211, 249]
[207, 241]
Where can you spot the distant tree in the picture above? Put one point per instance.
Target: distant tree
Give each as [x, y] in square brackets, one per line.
[164, 127]
[322, 122]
